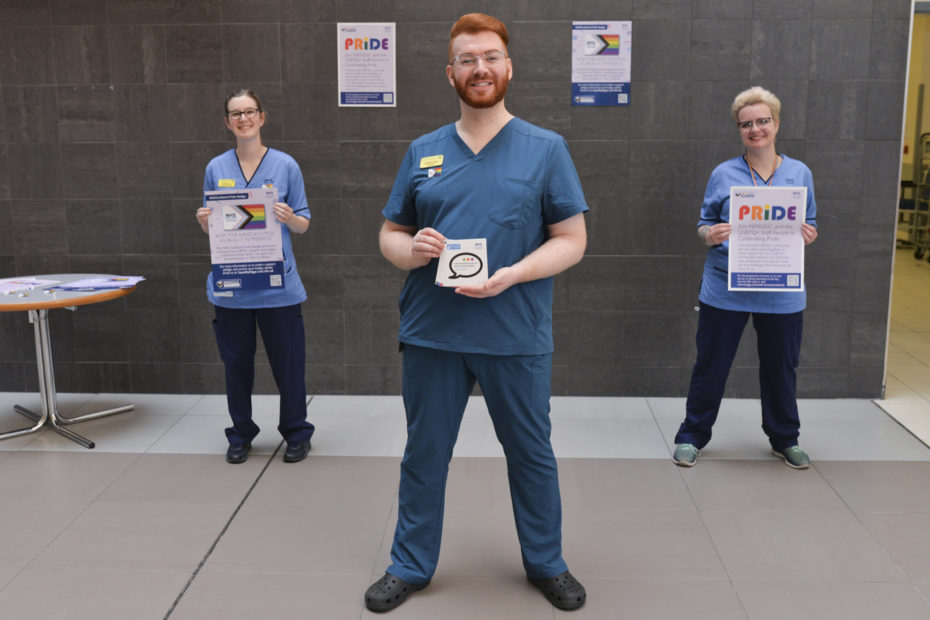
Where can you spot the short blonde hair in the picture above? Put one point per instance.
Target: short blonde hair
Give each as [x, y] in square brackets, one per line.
[754, 95]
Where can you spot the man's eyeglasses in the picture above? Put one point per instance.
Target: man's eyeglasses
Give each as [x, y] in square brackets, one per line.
[493, 58]
[759, 122]
[248, 113]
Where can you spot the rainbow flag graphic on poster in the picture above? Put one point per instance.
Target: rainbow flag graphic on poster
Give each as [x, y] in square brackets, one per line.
[246, 243]
[601, 54]
[604, 44]
[243, 217]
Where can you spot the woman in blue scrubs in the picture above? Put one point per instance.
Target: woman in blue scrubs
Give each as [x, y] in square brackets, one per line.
[776, 316]
[275, 311]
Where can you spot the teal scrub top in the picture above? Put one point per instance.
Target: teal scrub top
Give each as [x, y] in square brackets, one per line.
[522, 181]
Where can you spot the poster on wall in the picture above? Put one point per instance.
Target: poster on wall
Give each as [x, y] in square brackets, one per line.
[601, 53]
[367, 69]
[245, 239]
[766, 246]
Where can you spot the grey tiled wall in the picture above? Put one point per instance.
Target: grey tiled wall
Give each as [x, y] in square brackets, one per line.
[111, 109]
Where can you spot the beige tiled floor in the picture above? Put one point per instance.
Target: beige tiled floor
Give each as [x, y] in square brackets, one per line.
[154, 524]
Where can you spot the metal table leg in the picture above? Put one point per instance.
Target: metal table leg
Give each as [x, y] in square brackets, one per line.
[50, 414]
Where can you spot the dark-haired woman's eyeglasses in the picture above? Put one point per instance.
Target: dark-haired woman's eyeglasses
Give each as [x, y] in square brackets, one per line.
[237, 114]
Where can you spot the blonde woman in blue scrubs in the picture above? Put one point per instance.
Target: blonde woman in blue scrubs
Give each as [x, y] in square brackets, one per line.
[776, 316]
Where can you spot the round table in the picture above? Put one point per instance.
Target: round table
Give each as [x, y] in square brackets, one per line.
[37, 302]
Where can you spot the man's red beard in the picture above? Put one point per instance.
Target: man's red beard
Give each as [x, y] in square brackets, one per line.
[500, 89]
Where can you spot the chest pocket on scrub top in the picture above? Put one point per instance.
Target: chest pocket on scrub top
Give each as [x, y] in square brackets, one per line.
[511, 202]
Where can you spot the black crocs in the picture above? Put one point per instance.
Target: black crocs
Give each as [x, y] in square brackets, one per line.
[389, 592]
[563, 591]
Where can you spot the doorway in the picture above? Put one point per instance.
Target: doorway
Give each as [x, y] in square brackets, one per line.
[907, 366]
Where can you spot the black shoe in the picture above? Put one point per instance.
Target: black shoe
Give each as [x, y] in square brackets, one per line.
[389, 592]
[238, 452]
[563, 591]
[296, 451]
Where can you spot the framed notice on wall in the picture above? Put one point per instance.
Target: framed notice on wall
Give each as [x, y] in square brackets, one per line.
[367, 68]
[601, 53]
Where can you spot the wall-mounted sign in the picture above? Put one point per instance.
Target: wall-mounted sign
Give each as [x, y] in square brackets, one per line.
[367, 70]
[601, 54]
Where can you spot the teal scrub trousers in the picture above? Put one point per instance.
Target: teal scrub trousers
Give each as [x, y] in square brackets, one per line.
[436, 386]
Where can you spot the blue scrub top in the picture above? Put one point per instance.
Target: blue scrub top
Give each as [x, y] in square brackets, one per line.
[522, 181]
[277, 169]
[716, 209]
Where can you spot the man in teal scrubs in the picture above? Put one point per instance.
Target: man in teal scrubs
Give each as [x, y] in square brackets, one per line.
[492, 176]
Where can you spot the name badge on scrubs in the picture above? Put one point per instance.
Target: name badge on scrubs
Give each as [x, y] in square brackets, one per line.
[431, 162]
[226, 183]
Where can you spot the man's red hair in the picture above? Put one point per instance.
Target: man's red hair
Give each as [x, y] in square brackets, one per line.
[473, 23]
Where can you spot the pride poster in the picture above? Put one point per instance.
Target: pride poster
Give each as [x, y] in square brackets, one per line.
[366, 65]
[766, 249]
[601, 53]
[245, 240]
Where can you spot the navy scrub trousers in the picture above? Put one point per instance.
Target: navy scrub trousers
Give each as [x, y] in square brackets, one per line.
[283, 335]
[779, 346]
[436, 386]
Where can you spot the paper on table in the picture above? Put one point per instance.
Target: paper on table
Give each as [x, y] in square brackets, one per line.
[463, 261]
[11, 285]
[99, 284]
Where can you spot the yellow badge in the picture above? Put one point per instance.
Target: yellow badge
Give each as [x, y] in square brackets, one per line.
[226, 183]
[430, 162]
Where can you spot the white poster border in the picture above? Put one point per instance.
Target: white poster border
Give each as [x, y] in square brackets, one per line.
[765, 225]
[601, 63]
[366, 62]
[244, 258]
